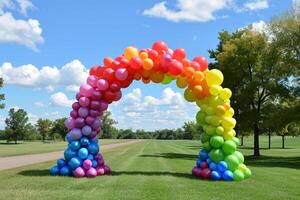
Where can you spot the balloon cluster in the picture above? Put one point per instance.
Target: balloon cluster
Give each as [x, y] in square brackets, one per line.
[159, 64]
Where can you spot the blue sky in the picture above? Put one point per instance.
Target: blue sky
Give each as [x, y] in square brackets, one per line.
[47, 47]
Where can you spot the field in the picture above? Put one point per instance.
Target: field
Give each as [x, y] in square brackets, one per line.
[24, 147]
[161, 170]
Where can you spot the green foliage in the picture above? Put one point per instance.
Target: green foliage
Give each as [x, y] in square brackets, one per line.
[107, 129]
[58, 129]
[16, 124]
[44, 127]
[2, 97]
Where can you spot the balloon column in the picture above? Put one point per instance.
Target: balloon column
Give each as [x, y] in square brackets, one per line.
[159, 64]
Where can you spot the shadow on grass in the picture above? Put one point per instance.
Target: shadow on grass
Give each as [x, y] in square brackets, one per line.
[273, 161]
[10, 143]
[35, 172]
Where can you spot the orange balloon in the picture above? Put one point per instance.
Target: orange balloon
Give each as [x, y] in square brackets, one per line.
[199, 76]
[147, 63]
[146, 73]
[146, 80]
[186, 62]
[108, 61]
[137, 76]
[197, 90]
[181, 82]
[157, 77]
[188, 71]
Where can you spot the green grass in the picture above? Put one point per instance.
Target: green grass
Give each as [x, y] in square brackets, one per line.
[24, 147]
[161, 170]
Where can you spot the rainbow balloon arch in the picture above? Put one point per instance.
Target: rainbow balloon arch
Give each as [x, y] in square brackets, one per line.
[219, 158]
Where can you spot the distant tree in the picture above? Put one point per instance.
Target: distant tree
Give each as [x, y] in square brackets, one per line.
[191, 130]
[58, 127]
[2, 97]
[126, 134]
[31, 133]
[107, 129]
[44, 127]
[16, 124]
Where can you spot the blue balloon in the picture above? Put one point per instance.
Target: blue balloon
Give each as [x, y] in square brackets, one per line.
[86, 130]
[83, 153]
[208, 160]
[90, 157]
[222, 166]
[54, 170]
[228, 175]
[65, 171]
[94, 164]
[93, 148]
[198, 163]
[68, 138]
[69, 154]
[203, 154]
[74, 163]
[75, 145]
[61, 163]
[213, 166]
[84, 141]
[215, 175]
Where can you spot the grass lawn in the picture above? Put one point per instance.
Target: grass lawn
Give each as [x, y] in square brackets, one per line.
[161, 170]
[24, 147]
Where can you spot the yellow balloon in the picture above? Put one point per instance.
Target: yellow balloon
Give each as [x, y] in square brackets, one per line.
[225, 93]
[147, 64]
[143, 55]
[189, 95]
[131, 52]
[214, 77]
[242, 167]
[229, 113]
[215, 89]
[219, 130]
[220, 110]
[181, 82]
[228, 123]
[229, 135]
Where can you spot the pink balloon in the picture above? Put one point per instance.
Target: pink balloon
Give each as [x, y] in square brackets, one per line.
[91, 173]
[83, 112]
[102, 84]
[74, 114]
[86, 90]
[97, 95]
[70, 123]
[100, 171]
[84, 101]
[121, 74]
[87, 164]
[89, 120]
[92, 81]
[79, 122]
[79, 172]
[75, 105]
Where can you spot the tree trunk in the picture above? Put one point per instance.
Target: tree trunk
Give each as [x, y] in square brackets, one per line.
[256, 140]
[269, 139]
[242, 140]
[282, 141]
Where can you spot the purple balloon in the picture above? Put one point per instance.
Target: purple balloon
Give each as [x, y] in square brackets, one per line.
[83, 112]
[96, 124]
[79, 122]
[103, 105]
[95, 105]
[97, 95]
[89, 120]
[74, 114]
[98, 156]
[84, 101]
[95, 113]
[78, 95]
[92, 81]
[76, 105]
[93, 134]
[76, 134]
[86, 130]
[100, 162]
[70, 123]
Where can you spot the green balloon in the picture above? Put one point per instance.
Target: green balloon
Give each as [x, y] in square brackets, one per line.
[206, 146]
[219, 130]
[167, 79]
[216, 141]
[229, 147]
[232, 162]
[210, 130]
[204, 138]
[236, 140]
[247, 173]
[238, 175]
[216, 155]
[200, 117]
[240, 156]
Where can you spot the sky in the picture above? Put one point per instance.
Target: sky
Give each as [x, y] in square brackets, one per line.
[47, 48]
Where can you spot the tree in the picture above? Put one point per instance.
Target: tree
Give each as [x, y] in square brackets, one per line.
[253, 71]
[191, 130]
[16, 124]
[108, 130]
[2, 97]
[58, 127]
[44, 127]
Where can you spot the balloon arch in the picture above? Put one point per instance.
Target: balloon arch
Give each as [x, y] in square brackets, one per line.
[218, 160]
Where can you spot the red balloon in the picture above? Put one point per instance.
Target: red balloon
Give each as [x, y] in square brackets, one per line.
[179, 54]
[93, 70]
[205, 173]
[153, 55]
[196, 171]
[203, 165]
[195, 65]
[109, 74]
[109, 96]
[160, 46]
[115, 64]
[114, 87]
[202, 61]
[124, 62]
[107, 61]
[175, 67]
[136, 63]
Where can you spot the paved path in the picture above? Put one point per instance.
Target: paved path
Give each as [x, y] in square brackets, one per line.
[18, 161]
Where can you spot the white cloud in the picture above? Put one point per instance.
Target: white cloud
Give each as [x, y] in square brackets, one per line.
[168, 111]
[70, 75]
[60, 99]
[189, 10]
[257, 4]
[25, 5]
[39, 104]
[24, 32]
[6, 4]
